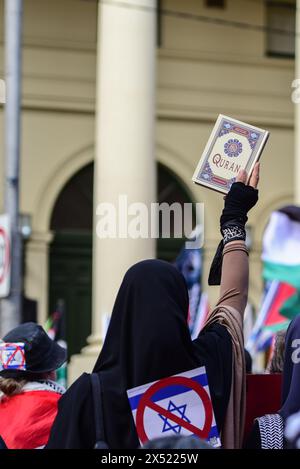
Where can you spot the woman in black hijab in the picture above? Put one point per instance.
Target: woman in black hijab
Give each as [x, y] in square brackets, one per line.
[148, 339]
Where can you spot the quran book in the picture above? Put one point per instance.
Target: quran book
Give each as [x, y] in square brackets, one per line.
[232, 145]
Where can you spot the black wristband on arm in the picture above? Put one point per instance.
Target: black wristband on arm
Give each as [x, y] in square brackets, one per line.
[233, 231]
[239, 200]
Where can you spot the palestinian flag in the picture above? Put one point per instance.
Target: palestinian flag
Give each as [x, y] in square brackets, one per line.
[270, 319]
[281, 256]
[281, 273]
[281, 293]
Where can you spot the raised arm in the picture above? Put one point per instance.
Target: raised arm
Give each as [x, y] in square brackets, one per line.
[235, 265]
[235, 276]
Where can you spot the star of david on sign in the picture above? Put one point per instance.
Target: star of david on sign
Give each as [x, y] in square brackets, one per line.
[180, 412]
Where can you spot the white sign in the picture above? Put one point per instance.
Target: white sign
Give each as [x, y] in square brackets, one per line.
[5, 258]
[178, 405]
[2, 91]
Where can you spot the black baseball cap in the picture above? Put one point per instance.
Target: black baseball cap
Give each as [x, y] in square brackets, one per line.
[42, 354]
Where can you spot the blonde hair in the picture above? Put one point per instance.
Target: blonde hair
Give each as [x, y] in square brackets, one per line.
[11, 387]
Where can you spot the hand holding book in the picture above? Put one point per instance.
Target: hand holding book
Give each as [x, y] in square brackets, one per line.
[241, 198]
[253, 179]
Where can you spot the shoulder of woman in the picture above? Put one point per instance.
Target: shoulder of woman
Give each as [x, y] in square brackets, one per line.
[82, 380]
[216, 330]
[79, 388]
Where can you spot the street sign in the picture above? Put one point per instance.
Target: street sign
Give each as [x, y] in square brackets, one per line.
[5, 257]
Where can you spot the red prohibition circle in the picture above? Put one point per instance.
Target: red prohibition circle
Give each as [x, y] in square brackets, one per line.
[146, 401]
[6, 254]
[17, 349]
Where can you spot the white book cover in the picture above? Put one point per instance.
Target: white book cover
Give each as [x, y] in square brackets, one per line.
[232, 145]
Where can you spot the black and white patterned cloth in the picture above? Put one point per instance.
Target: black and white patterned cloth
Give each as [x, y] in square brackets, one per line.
[233, 232]
[271, 431]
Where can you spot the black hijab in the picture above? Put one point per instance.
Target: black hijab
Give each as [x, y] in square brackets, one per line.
[147, 339]
[291, 371]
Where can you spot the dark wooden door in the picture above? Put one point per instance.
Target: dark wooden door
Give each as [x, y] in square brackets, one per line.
[70, 264]
[70, 256]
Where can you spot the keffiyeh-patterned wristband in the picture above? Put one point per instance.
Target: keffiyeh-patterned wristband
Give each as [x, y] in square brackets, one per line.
[233, 231]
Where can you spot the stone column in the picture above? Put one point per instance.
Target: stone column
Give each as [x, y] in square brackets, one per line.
[124, 159]
[37, 272]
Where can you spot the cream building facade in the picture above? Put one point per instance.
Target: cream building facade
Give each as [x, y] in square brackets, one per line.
[76, 55]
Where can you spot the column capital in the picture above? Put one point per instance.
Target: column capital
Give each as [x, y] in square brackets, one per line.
[41, 237]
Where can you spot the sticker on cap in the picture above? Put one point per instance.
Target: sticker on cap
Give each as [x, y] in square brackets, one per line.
[12, 356]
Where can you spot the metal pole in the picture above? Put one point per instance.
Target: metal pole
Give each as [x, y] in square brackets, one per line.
[11, 306]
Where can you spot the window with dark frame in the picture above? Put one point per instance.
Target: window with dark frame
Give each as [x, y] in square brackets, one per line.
[215, 3]
[280, 18]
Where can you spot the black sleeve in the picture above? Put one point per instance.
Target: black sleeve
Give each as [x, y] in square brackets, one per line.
[213, 349]
[74, 427]
[253, 440]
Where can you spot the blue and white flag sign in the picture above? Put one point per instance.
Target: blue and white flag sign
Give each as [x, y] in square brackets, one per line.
[178, 405]
[12, 356]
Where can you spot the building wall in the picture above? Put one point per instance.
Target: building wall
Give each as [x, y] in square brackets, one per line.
[206, 69]
[203, 69]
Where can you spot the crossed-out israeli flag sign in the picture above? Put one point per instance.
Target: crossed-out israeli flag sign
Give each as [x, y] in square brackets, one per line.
[12, 356]
[178, 405]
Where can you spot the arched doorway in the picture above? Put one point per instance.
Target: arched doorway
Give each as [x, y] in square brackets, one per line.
[70, 263]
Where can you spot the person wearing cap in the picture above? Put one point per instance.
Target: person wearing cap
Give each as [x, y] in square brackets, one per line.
[28, 392]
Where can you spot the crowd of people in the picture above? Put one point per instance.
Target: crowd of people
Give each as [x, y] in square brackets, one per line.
[147, 340]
